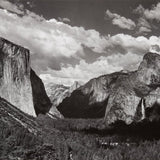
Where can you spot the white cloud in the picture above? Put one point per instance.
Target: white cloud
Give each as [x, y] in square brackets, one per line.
[136, 45]
[11, 7]
[48, 78]
[153, 13]
[120, 21]
[51, 37]
[139, 10]
[30, 4]
[67, 20]
[84, 71]
[144, 30]
[134, 48]
[143, 25]
[145, 22]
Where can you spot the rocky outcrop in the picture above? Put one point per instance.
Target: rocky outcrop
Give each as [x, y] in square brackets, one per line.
[19, 85]
[118, 96]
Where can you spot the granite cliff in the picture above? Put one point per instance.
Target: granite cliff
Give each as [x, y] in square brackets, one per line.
[19, 84]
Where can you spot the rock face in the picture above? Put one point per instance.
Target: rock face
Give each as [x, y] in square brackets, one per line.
[126, 96]
[19, 85]
[57, 93]
[41, 101]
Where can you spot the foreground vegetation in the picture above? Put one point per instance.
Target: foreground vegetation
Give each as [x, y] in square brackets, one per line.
[80, 140]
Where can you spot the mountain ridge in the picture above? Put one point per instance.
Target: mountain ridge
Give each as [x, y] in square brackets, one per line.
[116, 96]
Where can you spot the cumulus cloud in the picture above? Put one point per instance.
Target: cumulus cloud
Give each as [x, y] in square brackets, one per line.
[153, 13]
[85, 71]
[51, 38]
[66, 35]
[11, 7]
[128, 43]
[120, 21]
[133, 50]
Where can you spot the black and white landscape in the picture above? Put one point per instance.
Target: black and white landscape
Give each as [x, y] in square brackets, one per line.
[79, 80]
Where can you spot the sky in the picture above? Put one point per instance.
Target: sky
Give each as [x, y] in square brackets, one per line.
[77, 40]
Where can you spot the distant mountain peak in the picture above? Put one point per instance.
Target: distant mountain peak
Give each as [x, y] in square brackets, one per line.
[75, 85]
[58, 92]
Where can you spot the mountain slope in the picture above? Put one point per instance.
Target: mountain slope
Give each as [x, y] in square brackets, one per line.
[117, 96]
[90, 100]
[11, 115]
[23, 136]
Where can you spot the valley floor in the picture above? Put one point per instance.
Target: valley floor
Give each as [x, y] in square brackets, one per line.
[78, 139]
